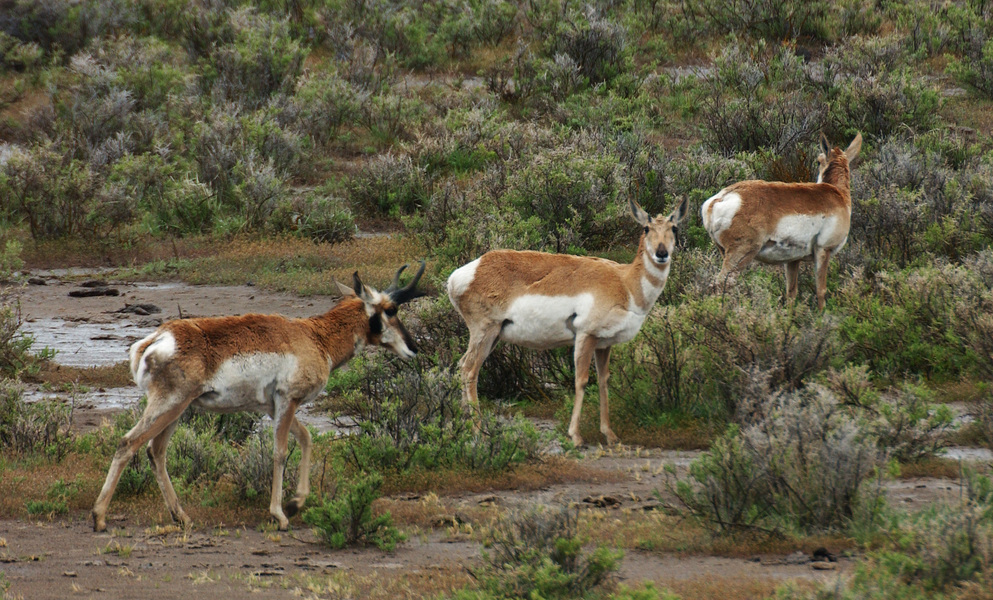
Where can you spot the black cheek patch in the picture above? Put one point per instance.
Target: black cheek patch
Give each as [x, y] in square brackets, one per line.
[375, 324]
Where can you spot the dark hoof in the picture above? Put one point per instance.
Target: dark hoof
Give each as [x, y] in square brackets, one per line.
[292, 508]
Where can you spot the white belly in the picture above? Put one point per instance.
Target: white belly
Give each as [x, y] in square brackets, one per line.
[546, 321]
[248, 383]
[796, 237]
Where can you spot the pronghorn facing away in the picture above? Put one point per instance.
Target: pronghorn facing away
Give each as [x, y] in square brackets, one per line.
[785, 223]
[543, 301]
[259, 363]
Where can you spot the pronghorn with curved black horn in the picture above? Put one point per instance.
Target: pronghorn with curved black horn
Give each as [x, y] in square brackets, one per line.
[258, 363]
[543, 301]
[785, 223]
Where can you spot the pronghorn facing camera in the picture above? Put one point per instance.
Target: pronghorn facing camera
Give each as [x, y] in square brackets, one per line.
[259, 363]
[785, 223]
[543, 301]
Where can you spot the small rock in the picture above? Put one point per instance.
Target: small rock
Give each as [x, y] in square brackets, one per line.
[96, 291]
[69, 573]
[140, 309]
[821, 555]
[796, 558]
[821, 565]
[488, 500]
[37, 281]
[602, 501]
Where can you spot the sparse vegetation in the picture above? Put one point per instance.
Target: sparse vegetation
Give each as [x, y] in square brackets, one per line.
[228, 142]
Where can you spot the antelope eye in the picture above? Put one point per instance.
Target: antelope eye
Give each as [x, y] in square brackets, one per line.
[646, 228]
[391, 311]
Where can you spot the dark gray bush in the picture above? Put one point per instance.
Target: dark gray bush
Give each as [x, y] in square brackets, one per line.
[771, 19]
[593, 43]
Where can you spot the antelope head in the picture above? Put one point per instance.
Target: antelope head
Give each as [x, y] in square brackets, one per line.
[836, 158]
[385, 328]
[659, 237]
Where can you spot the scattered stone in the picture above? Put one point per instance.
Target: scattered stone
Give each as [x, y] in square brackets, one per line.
[488, 501]
[37, 281]
[96, 291]
[69, 573]
[94, 283]
[139, 309]
[822, 554]
[796, 558]
[602, 501]
[821, 565]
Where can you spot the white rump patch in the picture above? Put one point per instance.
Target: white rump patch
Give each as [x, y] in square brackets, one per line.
[725, 207]
[163, 347]
[460, 280]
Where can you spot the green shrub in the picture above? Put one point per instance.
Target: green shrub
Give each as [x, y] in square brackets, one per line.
[323, 219]
[57, 499]
[411, 417]
[538, 553]
[261, 60]
[346, 518]
[593, 43]
[33, 429]
[771, 19]
[870, 90]
[800, 466]
[389, 185]
[756, 99]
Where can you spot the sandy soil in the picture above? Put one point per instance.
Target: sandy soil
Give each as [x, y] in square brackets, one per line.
[65, 559]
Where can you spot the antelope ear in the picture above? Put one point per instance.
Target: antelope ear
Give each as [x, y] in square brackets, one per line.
[854, 147]
[344, 289]
[639, 213]
[825, 145]
[680, 212]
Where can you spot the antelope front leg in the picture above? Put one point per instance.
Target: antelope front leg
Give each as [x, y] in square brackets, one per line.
[480, 345]
[303, 475]
[602, 375]
[582, 356]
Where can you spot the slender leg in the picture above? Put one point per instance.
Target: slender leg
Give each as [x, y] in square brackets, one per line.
[602, 356]
[281, 432]
[821, 257]
[481, 343]
[303, 475]
[582, 355]
[792, 273]
[158, 415]
[157, 456]
[735, 260]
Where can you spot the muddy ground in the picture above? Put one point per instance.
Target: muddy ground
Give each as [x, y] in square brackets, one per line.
[138, 559]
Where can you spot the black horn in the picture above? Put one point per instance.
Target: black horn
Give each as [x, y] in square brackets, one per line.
[408, 292]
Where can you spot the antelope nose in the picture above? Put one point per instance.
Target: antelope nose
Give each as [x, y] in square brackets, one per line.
[661, 255]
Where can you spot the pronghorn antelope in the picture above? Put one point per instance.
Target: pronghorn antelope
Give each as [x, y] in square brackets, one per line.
[544, 301]
[785, 223]
[260, 363]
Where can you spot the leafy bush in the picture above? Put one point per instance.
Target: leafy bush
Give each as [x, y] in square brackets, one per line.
[389, 185]
[261, 60]
[346, 518]
[38, 428]
[57, 499]
[771, 19]
[593, 43]
[800, 465]
[869, 92]
[412, 418]
[943, 551]
[539, 554]
[755, 99]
